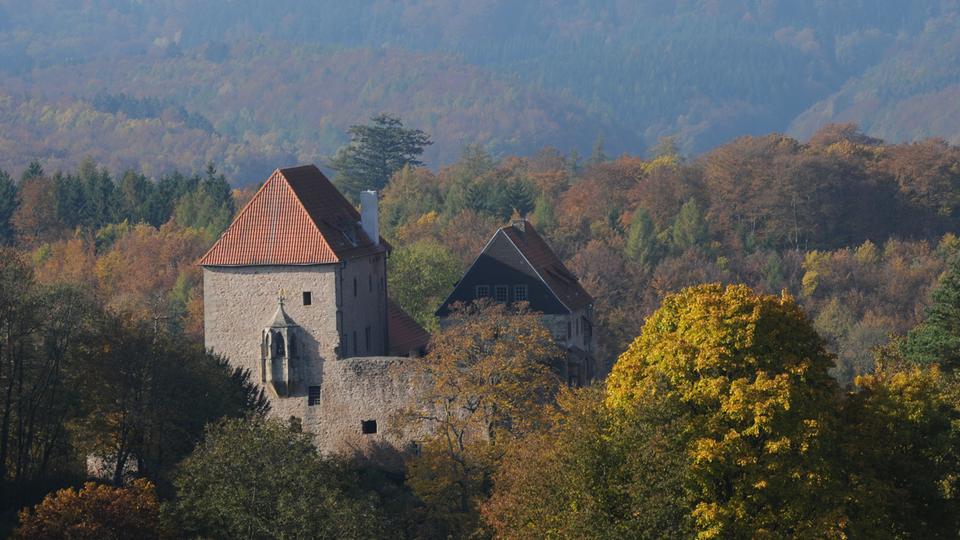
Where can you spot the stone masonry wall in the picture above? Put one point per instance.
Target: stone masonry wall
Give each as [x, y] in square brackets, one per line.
[239, 303]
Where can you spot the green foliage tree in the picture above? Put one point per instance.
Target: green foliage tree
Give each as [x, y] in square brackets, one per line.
[94, 512]
[411, 193]
[209, 207]
[937, 339]
[259, 479]
[34, 170]
[689, 229]
[137, 392]
[642, 246]
[420, 276]
[375, 152]
[9, 201]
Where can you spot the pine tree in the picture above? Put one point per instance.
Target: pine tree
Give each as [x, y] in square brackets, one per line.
[375, 152]
[690, 229]
[937, 339]
[9, 201]
[642, 246]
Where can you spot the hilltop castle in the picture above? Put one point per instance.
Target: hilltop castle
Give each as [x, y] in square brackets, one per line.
[295, 291]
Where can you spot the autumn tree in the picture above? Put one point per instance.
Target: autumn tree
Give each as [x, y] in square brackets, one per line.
[259, 479]
[94, 512]
[483, 384]
[900, 450]
[751, 379]
[375, 152]
[595, 473]
[36, 218]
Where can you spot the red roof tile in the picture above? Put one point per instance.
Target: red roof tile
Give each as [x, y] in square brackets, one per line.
[550, 268]
[405, 333]
[297, 217]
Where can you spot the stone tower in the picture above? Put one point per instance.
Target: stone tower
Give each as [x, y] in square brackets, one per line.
[321, 351]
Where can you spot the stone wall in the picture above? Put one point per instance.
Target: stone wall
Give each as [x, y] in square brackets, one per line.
[239, 303]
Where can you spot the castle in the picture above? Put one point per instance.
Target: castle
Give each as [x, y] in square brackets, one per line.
[295, 291]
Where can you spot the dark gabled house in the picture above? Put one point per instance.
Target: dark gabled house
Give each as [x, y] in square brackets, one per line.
[517, 265]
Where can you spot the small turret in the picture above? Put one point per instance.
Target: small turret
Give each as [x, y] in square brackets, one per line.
[278, 352]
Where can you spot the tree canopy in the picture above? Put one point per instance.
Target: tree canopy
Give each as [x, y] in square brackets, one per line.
[376, 151]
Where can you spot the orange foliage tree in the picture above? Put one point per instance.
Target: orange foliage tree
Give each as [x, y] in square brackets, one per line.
[95, 512]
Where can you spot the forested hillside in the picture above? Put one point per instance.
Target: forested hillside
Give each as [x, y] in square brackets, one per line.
[285, 81]
[834, 267]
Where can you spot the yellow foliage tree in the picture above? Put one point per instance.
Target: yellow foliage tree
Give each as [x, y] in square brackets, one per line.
[750, 376]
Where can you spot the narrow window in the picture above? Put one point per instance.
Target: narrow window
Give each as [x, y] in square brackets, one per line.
[313, 396]
[370, 283]
[519, 293]
[292, 346]
[481, 291]
[278, 342]
[354, 342]
[345, 350]
[501, 293]
[354, 287]
[307, 298]
[366, 338]
[368, 427]
[569, 333]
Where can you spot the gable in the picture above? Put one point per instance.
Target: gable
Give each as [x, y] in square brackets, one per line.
[297, 217]
[501, 263]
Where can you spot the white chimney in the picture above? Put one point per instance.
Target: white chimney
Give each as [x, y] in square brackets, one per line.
[370, 215]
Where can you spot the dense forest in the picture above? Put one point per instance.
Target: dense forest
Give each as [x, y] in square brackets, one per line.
[829, 324]
[168, 85]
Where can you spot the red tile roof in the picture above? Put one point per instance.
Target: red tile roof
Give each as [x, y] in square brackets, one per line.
[405, 334]
[546, 263]
[297, 217]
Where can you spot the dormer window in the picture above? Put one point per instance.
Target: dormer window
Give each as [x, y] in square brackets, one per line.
[481, 291]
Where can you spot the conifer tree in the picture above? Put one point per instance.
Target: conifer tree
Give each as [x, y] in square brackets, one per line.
[9, 200]
[937, 339]
[375, 152]
[690, 229]
[642, 246]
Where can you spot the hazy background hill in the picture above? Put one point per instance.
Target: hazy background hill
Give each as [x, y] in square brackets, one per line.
[251, 84]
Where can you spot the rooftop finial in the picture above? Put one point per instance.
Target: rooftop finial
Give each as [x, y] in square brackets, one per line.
[280, 297]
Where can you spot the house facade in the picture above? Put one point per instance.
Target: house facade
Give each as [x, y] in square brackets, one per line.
[517, 265]
[295, 291]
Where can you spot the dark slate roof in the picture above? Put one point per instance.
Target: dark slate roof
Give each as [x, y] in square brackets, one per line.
[405, 334]
[297, 217]
[517, 256]
[549, 267]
